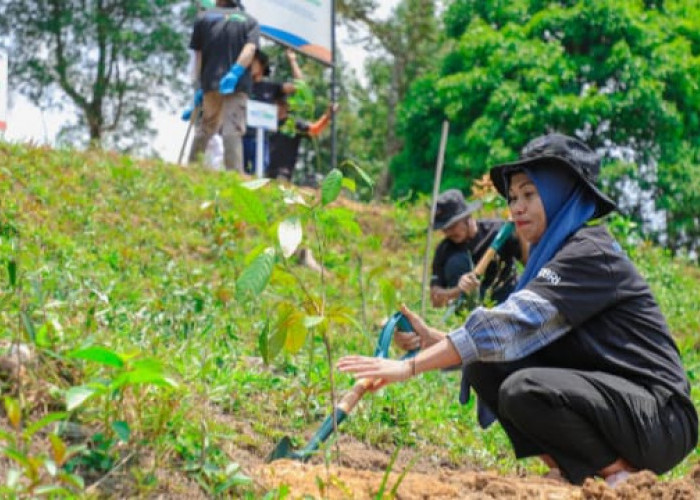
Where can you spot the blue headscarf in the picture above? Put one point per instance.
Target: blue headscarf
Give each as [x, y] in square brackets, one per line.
[568, 205]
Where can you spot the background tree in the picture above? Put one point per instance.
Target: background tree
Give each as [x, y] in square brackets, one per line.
[110, 59]
[404, 47]
[623, 76]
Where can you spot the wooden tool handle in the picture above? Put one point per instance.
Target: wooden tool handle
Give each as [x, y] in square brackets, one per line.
[484, 262]
[350, 399]
[498, 241]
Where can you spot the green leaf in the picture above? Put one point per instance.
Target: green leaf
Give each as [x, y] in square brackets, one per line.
[13, 411]
[52, 491]
[296, 333]
[330, 189]
[286, 325]
[311, 321]
[16, 455]
[289, 233]
[122, 430]
[58, 448]
[263, 341]
[238, 479]
[28, 325]
[138, 377]
[255, 277]
[75, 396]
[363, 175]
[247, 206]
[72, 480]
[42, 336]
[98, 354]
[12, 272]
[388, 295]
[349, 184]
[43, 422]
[276, 342]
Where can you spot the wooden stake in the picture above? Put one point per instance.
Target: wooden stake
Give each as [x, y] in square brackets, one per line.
[436, 190]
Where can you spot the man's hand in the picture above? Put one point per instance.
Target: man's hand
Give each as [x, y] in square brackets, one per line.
[228, 83]
[198, 98]
[469, 282]
[332, 108]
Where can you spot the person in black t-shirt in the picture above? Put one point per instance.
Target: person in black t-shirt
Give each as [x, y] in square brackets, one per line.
[284, 144]
[578, 363]
[466, 240]
[271, 92]
[224, 41]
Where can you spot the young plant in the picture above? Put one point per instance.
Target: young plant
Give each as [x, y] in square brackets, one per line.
[38, 473]
[120, 374]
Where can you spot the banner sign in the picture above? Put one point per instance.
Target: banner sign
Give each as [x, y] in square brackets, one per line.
[303, 25]
[4, 92]
[261, 115]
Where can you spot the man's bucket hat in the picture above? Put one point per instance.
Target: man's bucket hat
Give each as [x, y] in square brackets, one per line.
[557, 150]
[451, 207]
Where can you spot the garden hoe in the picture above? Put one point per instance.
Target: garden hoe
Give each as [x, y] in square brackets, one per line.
[193, 117]
[347, 402]
[501, 237]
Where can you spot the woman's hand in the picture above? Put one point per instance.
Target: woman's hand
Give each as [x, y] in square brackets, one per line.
[383, 371]
[421, 337]
[468, 282]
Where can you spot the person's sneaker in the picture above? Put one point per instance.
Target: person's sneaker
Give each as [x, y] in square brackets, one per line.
[614, 480]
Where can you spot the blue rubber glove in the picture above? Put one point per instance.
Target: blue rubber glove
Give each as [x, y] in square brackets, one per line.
[227, 85]
[198, 98]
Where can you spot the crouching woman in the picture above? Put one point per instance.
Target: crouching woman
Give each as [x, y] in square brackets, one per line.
[578, 363]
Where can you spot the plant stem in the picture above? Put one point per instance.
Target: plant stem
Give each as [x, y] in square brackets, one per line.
[363, 301]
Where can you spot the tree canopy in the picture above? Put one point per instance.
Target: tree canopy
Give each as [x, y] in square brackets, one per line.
[109, 59]
[623, 76]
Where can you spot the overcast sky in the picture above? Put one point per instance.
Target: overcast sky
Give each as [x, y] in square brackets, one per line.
[27, 122]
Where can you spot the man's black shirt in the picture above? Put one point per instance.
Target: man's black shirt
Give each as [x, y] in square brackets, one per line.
[220, 36]
[500, 275]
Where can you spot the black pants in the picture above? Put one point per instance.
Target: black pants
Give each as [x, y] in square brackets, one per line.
[585, 420]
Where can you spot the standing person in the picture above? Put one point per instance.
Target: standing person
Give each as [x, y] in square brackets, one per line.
[284, 145]
[224, 43]
[268, 91]
[578, 363]
[466, 240]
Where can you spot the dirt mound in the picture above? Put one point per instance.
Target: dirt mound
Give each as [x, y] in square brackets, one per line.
[339, 482]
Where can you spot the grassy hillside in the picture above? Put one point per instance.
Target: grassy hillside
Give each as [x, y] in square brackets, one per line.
[167, 327]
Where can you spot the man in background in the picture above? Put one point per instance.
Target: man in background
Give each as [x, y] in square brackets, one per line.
[466, 240]
[268, 91]
[284, 143]
[224, 42]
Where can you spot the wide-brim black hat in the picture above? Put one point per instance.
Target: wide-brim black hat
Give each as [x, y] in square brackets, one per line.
[451, 207]
[557, 151]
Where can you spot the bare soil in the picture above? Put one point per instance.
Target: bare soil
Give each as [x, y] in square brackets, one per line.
[341, 482]
[355, 471]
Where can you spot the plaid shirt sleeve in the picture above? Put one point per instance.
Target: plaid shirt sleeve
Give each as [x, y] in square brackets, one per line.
[512, 330]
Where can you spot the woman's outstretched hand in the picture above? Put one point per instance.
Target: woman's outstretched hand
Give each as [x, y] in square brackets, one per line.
[384, 371]
[421, 337]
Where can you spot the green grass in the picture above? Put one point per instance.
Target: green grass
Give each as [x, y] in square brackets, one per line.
[143, 258]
